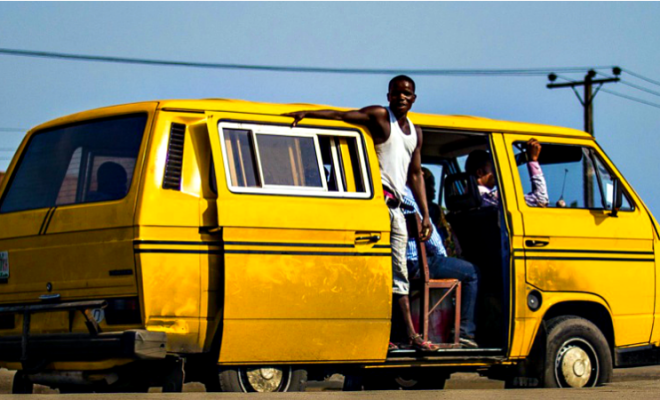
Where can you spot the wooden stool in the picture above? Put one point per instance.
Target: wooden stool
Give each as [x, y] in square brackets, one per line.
[425, 284]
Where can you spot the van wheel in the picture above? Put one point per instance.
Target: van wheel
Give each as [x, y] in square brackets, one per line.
[22, 384]
[577, 354]
[263, 379]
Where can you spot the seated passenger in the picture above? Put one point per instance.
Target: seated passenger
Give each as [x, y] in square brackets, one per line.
[480, 166]
[429, 185]
[111, 183]
[443, 267]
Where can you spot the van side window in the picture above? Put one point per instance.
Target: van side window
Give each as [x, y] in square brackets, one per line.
[298, 161]
[575, 176]
[606, 179]
[240, 152]
[87, 162]
[289, 161]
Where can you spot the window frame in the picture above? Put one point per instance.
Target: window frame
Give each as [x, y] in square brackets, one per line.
[256, 129]
[592, 154]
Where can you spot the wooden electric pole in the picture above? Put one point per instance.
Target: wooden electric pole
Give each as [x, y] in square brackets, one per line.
[587, 103]
[589, 95]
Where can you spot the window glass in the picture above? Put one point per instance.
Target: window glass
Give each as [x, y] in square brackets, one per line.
[350, 159]
[571, 178]
[87, 162]
[240, 153]
[289, 160]
[607, 180]
[69, 187]
[328, 156]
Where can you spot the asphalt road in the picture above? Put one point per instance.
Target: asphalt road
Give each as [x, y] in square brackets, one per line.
[642, 383]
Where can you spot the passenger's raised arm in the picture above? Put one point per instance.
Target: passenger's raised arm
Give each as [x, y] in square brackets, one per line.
[539, 195]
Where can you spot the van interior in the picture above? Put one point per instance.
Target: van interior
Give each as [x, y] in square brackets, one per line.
[471, 232]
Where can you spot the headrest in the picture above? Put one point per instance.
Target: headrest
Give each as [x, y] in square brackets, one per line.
[461, 192]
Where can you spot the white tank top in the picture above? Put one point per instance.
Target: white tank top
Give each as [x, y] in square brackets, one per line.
[394, 155]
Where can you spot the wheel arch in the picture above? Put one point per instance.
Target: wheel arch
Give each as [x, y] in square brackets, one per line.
[595, 312]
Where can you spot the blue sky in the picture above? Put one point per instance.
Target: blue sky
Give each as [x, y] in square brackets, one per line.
[360, 35]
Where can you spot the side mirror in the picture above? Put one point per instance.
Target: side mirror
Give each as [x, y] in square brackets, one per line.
[617, 199]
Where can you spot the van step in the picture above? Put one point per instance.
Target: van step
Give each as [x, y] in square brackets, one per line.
[408, 352]
[486, 356]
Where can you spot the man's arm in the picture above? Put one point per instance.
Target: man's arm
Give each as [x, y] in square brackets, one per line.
[373, 117]
[539, 195]
[416, 184]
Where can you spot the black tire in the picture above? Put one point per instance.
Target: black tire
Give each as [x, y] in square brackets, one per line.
[577, 354]
[262, 379]
[22, 384]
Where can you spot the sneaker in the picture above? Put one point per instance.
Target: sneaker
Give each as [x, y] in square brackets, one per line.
[467, 343]
[418, 343]
[392, 346]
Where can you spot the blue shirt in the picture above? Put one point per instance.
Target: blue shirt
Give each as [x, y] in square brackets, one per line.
[434, 245]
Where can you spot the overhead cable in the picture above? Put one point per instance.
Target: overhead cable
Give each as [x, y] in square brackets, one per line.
[636, 75]
[648, 103]
[276, 68]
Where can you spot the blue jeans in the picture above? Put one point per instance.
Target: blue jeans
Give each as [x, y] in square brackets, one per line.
[454, 268]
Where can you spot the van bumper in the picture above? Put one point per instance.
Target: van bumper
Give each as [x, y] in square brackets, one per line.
[134, 344]
[36, 351]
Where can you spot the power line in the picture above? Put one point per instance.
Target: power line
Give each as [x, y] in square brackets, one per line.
[643, 89]
[648, 103]
[640, 76]
[7, 149]
[13, 130]
[276, 68]
[632, 85]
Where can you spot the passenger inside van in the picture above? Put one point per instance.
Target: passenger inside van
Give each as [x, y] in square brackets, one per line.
[111, 183]
[480, 166]
[443, 267]
[429, 185]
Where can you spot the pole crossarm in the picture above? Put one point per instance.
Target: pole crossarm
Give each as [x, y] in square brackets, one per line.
[581, 83]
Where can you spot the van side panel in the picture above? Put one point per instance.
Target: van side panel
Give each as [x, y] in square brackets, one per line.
[294, 275]
[172, 253]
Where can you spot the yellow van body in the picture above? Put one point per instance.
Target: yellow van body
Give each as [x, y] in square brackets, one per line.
[252, 278]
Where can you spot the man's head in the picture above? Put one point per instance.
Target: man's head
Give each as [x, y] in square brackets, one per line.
[401, 94]
[480, 165]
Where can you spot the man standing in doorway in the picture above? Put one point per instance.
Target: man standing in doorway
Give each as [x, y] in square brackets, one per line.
[398, 146]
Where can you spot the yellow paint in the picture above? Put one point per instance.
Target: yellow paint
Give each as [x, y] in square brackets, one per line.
[274, 305]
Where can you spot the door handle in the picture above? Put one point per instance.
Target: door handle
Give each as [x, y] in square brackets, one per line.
[210, 230]
[367, 238]
[49, 297]
[536, 243]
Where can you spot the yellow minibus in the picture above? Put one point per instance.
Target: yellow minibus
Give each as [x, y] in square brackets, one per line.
[163, 242]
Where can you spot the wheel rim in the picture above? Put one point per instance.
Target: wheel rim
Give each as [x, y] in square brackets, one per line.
[265, 379]
[576, 364]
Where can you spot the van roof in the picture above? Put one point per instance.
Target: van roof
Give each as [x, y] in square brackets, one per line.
[462, 122]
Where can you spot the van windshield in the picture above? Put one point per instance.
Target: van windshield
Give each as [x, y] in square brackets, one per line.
[87, 162]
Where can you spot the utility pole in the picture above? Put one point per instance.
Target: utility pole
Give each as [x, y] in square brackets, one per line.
[589, 95]
[587, 103]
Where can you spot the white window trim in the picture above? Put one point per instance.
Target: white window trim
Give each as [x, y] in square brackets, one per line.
[297, 132]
